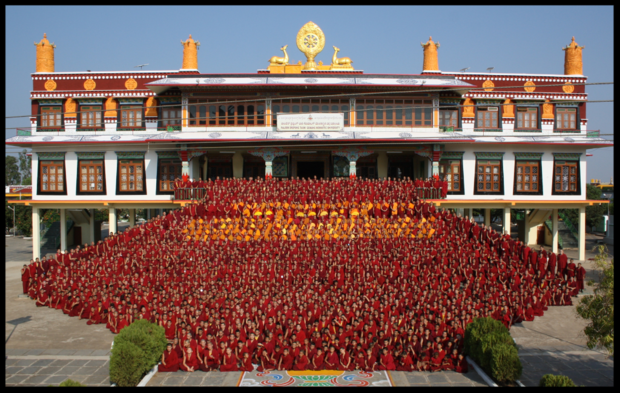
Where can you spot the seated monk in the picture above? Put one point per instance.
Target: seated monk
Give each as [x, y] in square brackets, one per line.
[169, 361]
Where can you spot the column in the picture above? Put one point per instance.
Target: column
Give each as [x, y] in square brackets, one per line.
[352, 168]
[555, 232]
[92, 225]
[63, 229]
[205, 175]
[268, 169]
[467, 213]
[113, 226]
[382, 165]
[132, 218]
[237, 161]
[582, 233]
[506, 220]
[487, 217]
[36, 233]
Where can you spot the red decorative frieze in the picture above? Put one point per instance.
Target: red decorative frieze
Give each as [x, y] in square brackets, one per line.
[508, 120]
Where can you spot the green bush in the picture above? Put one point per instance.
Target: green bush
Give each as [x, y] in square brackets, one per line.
[505, 364]
[70, 382]
[478, 329]
[552, 381]
[137, 348]
[488, 342]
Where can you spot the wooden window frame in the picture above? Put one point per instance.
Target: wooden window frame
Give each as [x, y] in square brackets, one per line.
[535, 169]
[40, 182]
[87, 163]
[401, 112]
[168, 163]
[210, 113]
[166, 120]
[522, 115]
[453, 163]
[561, 124]
[86, 112]
[490, 163]
[122, 162]
[454, 122]
[558, 164]
[135, 109]
[485, 110]
[44, 119]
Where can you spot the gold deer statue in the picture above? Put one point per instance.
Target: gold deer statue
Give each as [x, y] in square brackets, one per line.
[341, 63]
[275, 60]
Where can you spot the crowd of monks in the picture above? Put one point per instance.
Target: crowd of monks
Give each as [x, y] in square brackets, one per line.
[361, 287]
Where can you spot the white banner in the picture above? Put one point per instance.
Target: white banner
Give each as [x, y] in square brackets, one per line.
[311, 122]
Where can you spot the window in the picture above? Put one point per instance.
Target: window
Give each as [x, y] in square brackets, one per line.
[527, 118]
[51, 176]
[488, 176]
[566, 118]
[399, 113]
[51, 117]
[487, 118]
[91, 176]
[171, 116]
[566, 176]
[450, 171]
[131, 177]
[448, 118]
[206, 112]
[527, 178]
[131, 116]
[169, 171]
[90, 117]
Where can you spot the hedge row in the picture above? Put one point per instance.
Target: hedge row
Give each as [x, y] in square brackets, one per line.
[137, 348]
[488, 342]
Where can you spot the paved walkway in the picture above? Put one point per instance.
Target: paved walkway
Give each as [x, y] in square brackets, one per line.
[54, 369]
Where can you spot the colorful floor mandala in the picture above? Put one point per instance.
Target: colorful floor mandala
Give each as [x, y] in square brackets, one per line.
[315, 378]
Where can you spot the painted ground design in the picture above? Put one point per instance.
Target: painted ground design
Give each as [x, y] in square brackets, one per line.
[315, 378]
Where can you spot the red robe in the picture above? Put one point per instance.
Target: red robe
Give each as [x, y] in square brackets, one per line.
[170, 363]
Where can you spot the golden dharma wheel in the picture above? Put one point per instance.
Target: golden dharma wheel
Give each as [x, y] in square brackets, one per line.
[310, 41]
[568, 87]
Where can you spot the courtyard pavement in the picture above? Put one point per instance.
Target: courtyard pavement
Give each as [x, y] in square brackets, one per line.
[45, 347]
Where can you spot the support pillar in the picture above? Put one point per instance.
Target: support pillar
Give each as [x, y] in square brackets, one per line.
[92, 225]
[237, 161]
[555, 232]
[268, 168]
[36, 233]
[487, 217]
[506, 220]
[353, 168]
[467, 213]
[132, 218]
[63, 229]
[113, 225]
[205, 175]
[582, 233]
[382, 165]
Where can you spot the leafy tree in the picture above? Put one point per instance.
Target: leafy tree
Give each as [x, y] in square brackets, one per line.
[8, 214]
[23, 216]
[27, 181]
[25, 165]
[599, 308]
[594, 213]
[11, 171]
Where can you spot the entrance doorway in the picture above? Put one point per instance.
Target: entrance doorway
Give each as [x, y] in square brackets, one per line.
[309, 169]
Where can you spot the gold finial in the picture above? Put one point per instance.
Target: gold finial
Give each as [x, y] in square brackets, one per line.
[573, 61]
[45, 55]
[190, 54]
[431, 62]
[310, 41]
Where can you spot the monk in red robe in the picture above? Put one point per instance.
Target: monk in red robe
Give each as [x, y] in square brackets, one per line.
[169, 361]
